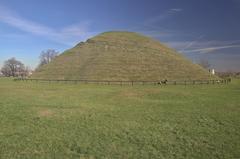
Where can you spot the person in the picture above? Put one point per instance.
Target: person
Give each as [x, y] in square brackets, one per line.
[164, 81]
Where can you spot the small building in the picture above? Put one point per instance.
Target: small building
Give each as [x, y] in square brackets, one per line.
[212, 71]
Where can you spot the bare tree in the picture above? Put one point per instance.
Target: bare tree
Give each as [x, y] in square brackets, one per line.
[204, 63]
[13, 67]
[28, 70]
[47, 56]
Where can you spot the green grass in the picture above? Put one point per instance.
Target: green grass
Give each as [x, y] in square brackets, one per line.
[122, 56]
[41, 120]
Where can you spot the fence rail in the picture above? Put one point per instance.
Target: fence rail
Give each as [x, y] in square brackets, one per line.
[105, 82]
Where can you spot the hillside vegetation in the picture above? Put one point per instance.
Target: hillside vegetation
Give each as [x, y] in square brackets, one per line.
[122, 56]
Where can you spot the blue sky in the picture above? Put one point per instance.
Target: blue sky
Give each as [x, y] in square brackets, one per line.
[200, 29]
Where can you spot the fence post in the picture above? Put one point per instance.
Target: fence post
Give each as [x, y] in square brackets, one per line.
[132, 83]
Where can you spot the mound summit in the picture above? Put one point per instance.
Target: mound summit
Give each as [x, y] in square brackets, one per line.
[122, 56]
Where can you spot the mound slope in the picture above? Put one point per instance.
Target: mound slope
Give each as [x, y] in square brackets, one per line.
[121, 56]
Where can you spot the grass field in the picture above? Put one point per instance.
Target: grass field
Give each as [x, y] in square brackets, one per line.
[41, 120]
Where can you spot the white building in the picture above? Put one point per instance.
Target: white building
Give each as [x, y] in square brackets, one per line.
[212, 71]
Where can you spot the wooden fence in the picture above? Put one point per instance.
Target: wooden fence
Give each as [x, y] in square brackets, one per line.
[186, 82]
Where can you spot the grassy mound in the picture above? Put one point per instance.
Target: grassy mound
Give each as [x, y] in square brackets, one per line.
[121, 56]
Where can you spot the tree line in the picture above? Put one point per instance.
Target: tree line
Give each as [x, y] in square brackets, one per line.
[15, 68]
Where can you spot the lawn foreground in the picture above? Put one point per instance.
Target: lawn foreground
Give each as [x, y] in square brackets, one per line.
[41, 120]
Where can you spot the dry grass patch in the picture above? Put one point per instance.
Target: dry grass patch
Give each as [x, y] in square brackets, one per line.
[45, 113]
[59, 112]
[131, 94]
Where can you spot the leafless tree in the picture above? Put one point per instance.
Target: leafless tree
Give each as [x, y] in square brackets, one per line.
[13, 67]
[47, 56]
[204, 63]
[27, 71]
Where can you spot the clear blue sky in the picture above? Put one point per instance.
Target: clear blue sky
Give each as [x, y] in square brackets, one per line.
[208, 29]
